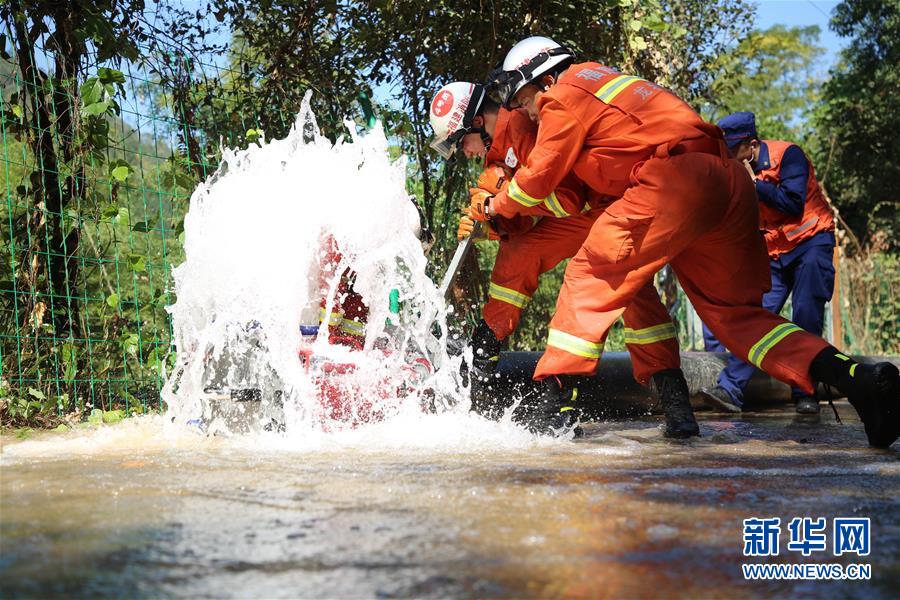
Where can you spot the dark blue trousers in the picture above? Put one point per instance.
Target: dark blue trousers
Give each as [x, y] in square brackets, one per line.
[806, 273]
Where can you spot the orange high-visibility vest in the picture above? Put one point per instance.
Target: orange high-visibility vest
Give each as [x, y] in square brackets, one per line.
[784, 232]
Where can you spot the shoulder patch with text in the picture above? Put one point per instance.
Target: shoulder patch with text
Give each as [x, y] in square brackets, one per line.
[511, 160]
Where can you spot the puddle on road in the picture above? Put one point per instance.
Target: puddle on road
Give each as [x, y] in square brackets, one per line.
[139, 510]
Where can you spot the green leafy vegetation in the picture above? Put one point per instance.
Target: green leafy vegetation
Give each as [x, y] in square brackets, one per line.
[858, 119]
[112, 112]
[773, 74]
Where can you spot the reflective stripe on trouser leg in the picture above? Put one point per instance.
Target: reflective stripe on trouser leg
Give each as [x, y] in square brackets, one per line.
[649, 335]
[575, 345]
[759, 350]
[510, 296]
[504, 309]
[646, 312]
[652, 349]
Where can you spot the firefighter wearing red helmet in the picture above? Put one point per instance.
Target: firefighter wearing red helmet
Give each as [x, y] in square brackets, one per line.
[680, 200]
[538, 238]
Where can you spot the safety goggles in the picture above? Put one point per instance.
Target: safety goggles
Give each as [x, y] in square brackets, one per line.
[503, 85]
[448, 146]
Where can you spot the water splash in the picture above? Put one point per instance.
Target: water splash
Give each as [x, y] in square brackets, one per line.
[254, 252]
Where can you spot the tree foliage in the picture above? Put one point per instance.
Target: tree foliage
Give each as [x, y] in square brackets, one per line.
[772, 73]
[860, 117]
[61, 119]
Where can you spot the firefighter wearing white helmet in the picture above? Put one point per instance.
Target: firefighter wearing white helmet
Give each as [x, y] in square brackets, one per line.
[527, 62]
[452, 113]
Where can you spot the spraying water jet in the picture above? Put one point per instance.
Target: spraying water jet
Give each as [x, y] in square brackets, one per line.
[252, 351]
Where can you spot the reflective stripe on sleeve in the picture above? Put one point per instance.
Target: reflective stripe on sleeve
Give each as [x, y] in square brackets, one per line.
[795, 232]
[552, 202]
[516, 193]
[761, 348]
[574, 345]
[517, 299]
[649, 335]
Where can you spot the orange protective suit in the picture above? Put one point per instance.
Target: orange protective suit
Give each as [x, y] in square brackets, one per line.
[683, 202]
[349, 314]
[528, 252]
[513, 140]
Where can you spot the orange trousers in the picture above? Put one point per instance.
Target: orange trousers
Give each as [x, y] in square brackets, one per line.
[649, 332]
[699, 213]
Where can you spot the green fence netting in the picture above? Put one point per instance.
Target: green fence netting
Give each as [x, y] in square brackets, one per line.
[89, 240]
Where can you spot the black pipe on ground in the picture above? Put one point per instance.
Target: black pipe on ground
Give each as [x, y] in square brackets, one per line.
[613, 392]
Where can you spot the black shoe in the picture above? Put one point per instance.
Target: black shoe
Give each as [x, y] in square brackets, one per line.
[672, 390]
[485, 358]
[875, 394]
[806, 405]
[718, 399]
[554, 412]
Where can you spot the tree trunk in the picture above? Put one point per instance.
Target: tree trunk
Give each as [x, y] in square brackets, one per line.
[52, 195]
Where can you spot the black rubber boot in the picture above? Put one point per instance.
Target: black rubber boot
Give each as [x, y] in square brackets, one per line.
[873, 390]
[554, 412]
[875, 394]
[672, 390]
[718, 399]
[485, 357]
[485, 349]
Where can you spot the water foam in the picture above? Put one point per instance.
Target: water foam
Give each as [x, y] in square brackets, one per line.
[254, 248]
[411, 434]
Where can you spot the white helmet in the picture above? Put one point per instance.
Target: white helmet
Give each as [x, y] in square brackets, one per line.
[527, 61]
[452, 111]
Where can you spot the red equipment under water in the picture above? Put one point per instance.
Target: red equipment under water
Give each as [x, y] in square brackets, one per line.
[346, 397]
[348, 400]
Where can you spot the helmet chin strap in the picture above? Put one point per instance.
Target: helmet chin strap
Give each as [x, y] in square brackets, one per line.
[485, 136]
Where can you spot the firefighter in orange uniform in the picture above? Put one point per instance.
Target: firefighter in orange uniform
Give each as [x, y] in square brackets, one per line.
[538, 237]
[682, 201]
[799, 230]
[349, 315]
